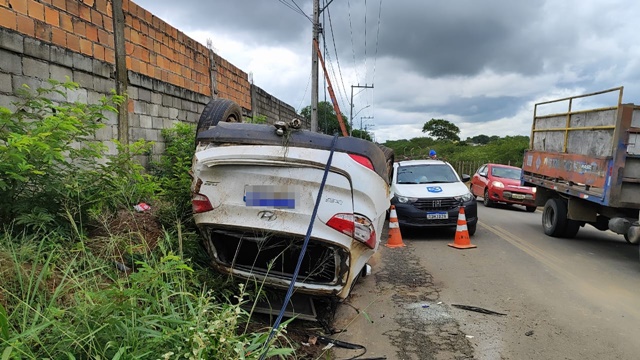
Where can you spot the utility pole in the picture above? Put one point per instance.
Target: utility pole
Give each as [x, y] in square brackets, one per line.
[365, 86]
[364, 118]
[314, 65]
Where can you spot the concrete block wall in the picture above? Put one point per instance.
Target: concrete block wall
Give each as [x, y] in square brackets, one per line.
[171, 76]
[264, 104]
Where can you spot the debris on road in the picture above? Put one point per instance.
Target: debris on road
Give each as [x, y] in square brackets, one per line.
[477, 309]
[529, 333]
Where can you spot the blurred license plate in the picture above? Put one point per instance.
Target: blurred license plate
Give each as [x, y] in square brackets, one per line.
[281, 197]
[437, 215]
[517, 196]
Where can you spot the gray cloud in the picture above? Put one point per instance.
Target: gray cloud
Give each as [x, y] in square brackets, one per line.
[475, 61]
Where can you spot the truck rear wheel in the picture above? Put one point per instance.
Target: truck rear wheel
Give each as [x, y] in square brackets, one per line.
[554, 218]
[219, 110]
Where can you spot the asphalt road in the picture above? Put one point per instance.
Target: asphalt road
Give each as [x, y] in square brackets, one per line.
[562, 298]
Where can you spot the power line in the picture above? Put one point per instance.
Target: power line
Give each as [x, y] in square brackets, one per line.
[375, 58]
[335, 49]
[295, 8]
[353, 48]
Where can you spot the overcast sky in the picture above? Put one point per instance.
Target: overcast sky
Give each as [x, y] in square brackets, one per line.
[479, 64]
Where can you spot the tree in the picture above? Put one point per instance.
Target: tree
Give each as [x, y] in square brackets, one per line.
[361, 134]
[327, 118]
[442, 130]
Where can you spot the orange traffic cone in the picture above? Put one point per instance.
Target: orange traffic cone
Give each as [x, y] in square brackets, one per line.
[395, 238]
[462, 240]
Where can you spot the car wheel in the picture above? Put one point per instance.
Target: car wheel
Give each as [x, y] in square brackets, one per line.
[218, 110]
[485, 200]
[472, 228]
[554, 217]
[531, 208]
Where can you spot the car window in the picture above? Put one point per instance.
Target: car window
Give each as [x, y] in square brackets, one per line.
[506, 173]
[426, 174]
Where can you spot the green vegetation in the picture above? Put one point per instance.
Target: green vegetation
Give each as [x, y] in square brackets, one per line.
[328, 121]
[506, 150]
[86, 277]
[441, 130]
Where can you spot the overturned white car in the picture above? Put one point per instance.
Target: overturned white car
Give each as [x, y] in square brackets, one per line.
[254, 194]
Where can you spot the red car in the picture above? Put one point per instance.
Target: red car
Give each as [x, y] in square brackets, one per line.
[501, 183]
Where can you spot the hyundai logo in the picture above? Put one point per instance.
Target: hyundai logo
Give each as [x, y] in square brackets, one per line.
[267, 215]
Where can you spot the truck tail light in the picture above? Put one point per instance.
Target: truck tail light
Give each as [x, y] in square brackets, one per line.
[356, 226]
[200, 203]
[362, 161]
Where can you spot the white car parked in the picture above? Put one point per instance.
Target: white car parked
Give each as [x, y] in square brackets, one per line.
[429, 193]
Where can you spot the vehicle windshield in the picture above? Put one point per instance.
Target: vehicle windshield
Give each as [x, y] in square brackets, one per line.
[426, 174]
[506, 173]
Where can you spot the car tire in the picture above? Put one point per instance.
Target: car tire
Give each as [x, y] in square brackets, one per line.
[554, 217]
[531, 208]
[218, 110]
[472, 228]
[485, 200]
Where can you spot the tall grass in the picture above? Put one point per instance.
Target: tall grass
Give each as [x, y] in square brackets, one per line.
[62, 295]
[56, 303]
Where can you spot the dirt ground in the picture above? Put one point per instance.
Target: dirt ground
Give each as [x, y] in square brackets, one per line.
[397, 310]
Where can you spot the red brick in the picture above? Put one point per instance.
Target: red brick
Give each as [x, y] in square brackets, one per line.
[8, 19]
[103, 37]
[26, 25]
[101, 5]
[79, 27]
[52, 16]
[4, 3]
[92, 33]
[135, 23]
[110, 56]
[135, 37]
[36, 10]
[99, 52]
[107, 21]
[96, 18]
[73, 42]
[19, 6]
[128, 62]
[60, 4]
[43, 31]
[73, 7]
[85, 13]
[130, 106]
[86, 47]
[66, 22]
[59, 37]
[88, 2]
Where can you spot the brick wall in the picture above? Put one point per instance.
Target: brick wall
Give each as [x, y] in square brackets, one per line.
[171, 76]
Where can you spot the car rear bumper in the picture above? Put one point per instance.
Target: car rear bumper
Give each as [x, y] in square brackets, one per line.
[511, 197]
[409, 215]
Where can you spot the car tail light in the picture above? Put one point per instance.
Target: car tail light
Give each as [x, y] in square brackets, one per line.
[200, 203]
[362, 161]
[356, 226]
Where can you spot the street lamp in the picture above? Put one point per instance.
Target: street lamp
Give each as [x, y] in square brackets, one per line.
[351, 121]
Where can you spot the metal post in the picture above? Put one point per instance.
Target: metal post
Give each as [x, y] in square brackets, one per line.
[121, 71]
[314, 66]
[365, 86]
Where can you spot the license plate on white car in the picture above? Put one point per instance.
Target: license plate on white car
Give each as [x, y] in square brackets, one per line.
[440, 215]
[279, 197]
